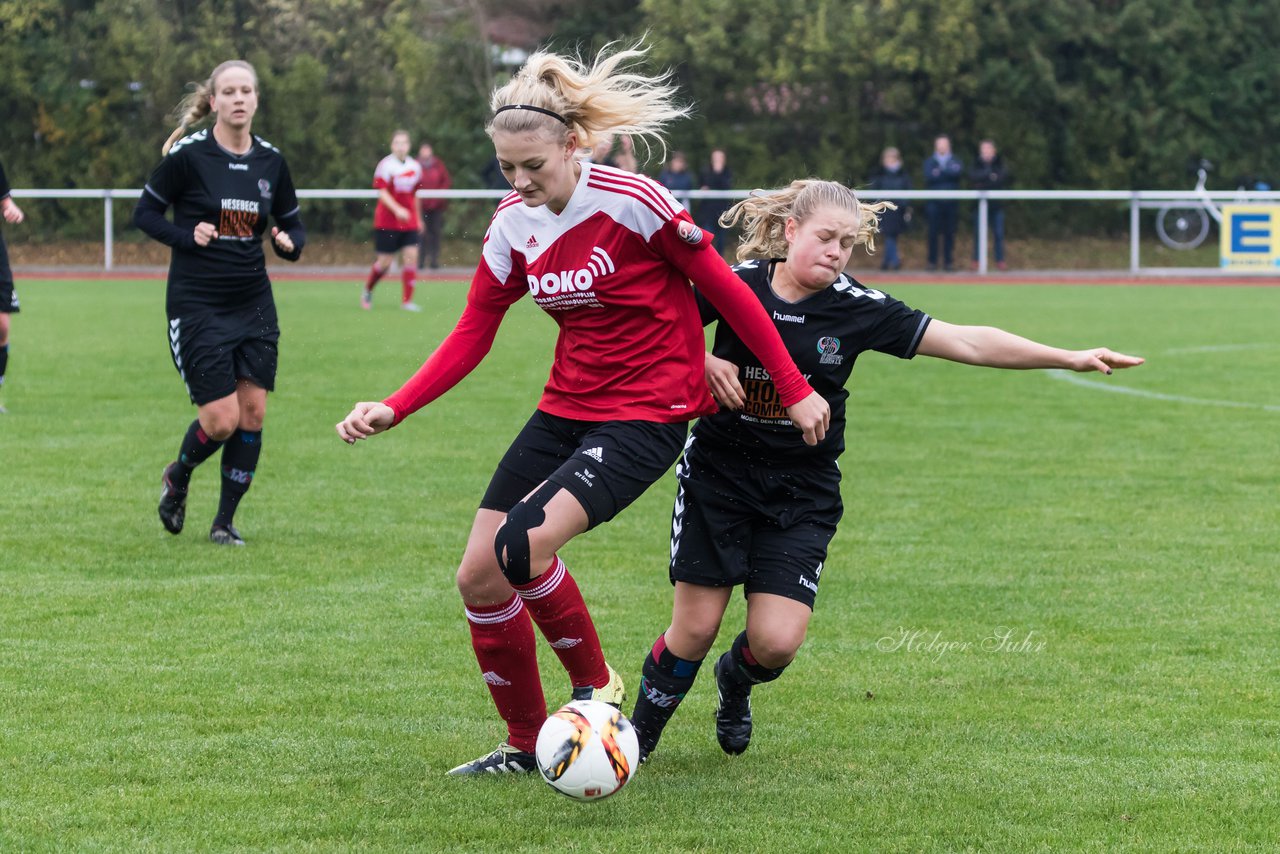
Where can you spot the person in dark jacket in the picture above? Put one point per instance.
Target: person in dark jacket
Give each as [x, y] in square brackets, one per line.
[942, 171]
[893, 223]
[990, 172]
[717, 176]
[677, 178]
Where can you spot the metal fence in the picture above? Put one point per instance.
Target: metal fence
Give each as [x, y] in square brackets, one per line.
[1137, 201]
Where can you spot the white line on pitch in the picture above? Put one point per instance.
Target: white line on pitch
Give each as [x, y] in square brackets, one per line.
[1156, 395]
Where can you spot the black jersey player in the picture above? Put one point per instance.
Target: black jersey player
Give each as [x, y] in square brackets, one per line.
[223, 183]
[756, 508]
[8, 296]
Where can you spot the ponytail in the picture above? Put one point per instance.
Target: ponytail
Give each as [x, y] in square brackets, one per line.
[562, 95]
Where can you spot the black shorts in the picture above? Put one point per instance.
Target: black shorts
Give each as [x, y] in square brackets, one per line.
[766, 527]
[213, 348]
[8, 296]
[387, 241]
[606, 465]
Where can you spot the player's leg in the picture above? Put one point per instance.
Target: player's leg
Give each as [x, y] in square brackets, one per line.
[240, 454]
[712, 524]
[4, 348]
[408, 270]
[200, 348]
[671, 666]
[434, 231]
[384, 245]
[612, 466]
[501, 630]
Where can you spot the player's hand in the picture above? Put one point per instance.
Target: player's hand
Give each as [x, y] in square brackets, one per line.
[1102, 360]
[282, 239]
[722, 379]
[205, 232]
[367, 419]
[812, 416]
[403, 214]
[12, 213]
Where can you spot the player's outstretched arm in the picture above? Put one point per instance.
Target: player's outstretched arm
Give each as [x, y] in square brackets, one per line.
[368, 418]
[990, 347]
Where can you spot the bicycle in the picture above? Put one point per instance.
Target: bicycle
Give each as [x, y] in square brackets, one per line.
[1183, 225]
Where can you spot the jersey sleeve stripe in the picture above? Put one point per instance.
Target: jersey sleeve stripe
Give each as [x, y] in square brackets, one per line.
[915, 341]
[292, 212]
[640, 189]
[147, 187]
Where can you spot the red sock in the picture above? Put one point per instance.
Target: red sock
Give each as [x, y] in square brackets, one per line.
[407, 277]
[556, 605]
[502, 637]
[374, 275]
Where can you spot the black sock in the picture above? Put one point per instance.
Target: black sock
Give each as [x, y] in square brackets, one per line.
[196, 448]
[744, 671]
[665, 680]
[239, 459]
[4, 361]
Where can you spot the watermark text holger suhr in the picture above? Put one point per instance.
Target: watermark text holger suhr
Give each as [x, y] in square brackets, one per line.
[924, 642]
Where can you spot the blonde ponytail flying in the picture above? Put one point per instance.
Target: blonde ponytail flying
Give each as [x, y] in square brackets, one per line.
[594, 102]
[764, 215]
[194, 107]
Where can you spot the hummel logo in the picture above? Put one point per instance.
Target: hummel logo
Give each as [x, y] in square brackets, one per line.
[532, 243]
[596, 454]
[494, 679]
[566, 643]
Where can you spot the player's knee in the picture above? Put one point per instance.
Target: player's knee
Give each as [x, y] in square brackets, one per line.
[513, 544]
[252, 416]
[479, 580]
[775, 649]
[693, 640]
[220, 425]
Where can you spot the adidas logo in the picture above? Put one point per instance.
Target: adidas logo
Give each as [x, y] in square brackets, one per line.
[494, 679]
[566, 643]
[596, 454]
[531, 243]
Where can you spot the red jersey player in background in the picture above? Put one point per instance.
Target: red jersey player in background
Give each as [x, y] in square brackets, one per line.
[609, 255]
[395, 221]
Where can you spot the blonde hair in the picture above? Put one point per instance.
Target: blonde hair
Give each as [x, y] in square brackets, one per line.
[194, 107]
[596, 101]
[764, 215]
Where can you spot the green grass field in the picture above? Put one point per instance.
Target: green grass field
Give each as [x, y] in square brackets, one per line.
[308, 692]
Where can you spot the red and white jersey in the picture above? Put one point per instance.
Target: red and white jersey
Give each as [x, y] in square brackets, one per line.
[613, 269]
[608, 270]
[401, 178]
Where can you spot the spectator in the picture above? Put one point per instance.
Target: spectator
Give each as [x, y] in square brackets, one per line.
[493, 178]
[601, 152]
[715, 177]
[435, 176]
[677, 178]
[891, 176]
[990, 173]
[626, 157]
[942, 171]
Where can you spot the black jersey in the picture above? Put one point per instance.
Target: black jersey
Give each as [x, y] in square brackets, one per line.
[4, 183]
[824, 333]
[206, 183]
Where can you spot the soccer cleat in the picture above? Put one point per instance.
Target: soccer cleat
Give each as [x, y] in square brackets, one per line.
[225, 535]
[410, 306]
[505, 760]
[614, 692]
[173, 504]
[366, 299]
[733, 710]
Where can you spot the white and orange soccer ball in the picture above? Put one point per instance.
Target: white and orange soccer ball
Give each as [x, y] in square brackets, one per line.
[587, 750]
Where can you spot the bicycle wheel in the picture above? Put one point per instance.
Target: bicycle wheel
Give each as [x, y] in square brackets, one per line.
[1182, 227]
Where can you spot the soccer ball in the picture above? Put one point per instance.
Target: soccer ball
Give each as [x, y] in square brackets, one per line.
[587, 750]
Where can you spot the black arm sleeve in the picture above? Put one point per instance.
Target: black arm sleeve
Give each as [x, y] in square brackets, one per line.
[287, 214]
[149, 217]
[292, 224]
[4, 183]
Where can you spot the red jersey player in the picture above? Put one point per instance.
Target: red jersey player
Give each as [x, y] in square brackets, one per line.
[609, 255]
[395, 220]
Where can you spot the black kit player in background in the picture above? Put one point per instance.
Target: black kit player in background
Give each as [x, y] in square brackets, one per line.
[8, 296]
[754, 506]
[223, 183]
